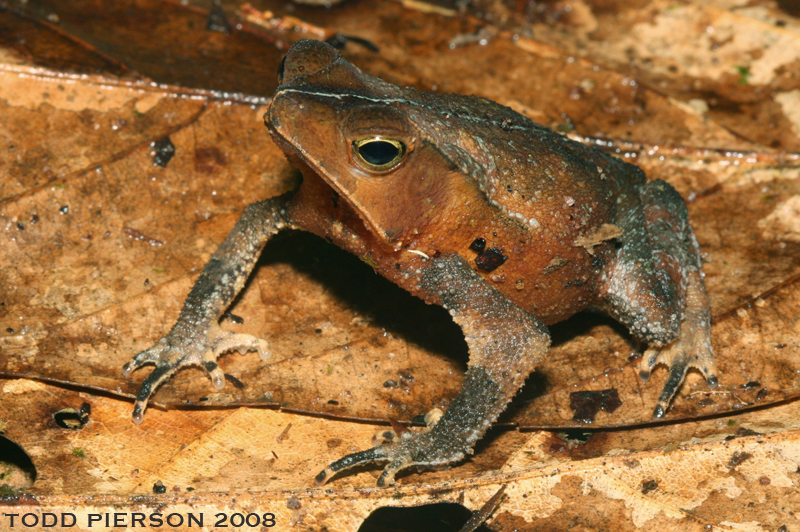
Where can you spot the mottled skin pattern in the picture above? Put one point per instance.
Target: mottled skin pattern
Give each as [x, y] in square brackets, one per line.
[577, 228]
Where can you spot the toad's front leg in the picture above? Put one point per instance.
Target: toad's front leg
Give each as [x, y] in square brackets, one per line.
[197, 338]
[505, 344]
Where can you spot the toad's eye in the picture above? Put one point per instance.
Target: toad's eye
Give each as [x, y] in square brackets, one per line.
[377, 154]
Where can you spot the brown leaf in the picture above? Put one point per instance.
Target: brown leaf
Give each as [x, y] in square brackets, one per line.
[326, 325]
[100, 247]
[689, 475]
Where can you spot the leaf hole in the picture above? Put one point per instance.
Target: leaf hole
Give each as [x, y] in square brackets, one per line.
[439, 517]
[17, 472]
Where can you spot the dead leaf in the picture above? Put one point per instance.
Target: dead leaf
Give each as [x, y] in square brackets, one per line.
[100, 247]
[689, 475]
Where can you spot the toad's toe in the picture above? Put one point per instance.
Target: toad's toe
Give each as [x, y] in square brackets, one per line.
[175, 351]
[680, 356]
[426, 449]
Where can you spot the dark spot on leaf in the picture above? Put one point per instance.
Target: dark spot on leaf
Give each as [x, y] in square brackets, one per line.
[737, 458]
[217, 19]
[209, 160]
[163, 151]
[648, 486]
[586, 404]
[293, 503]
[239, 385]
[789, 7]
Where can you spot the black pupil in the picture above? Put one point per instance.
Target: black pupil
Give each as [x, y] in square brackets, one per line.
[379, 152]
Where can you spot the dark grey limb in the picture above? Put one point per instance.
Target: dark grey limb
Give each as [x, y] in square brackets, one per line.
[197, 338]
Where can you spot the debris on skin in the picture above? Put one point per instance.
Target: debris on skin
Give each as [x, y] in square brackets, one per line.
[603, 233]
[420, 253]
[554, 265]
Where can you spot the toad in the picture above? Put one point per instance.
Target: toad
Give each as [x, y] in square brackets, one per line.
[468, 205]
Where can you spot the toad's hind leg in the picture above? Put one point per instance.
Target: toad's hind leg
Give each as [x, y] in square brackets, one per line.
[655, 287]
[505, 343]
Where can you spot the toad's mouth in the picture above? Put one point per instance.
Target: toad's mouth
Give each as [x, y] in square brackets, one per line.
[346, 209]
[302, 128]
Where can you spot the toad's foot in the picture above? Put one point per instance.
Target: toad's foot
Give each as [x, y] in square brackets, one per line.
[692, 349]
[657, 288]
[175, 351]
[429, 448]
[679, 358]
